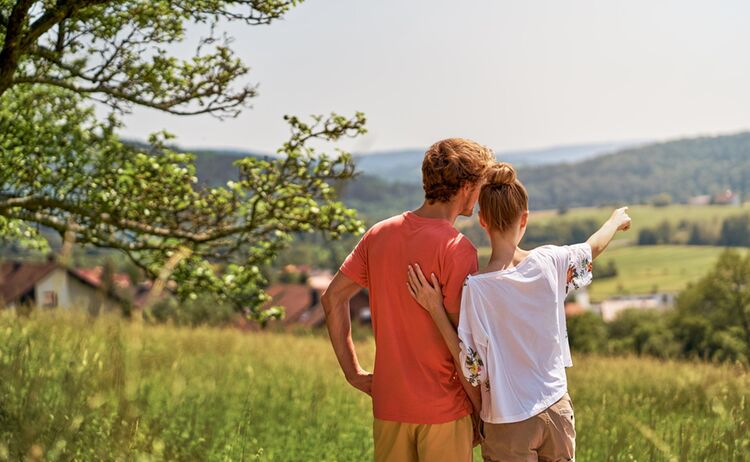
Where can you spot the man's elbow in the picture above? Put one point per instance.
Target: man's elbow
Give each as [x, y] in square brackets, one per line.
[327, 300]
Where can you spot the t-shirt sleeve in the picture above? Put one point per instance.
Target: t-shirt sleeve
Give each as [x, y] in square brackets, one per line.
[574, 262]
[473, 342]
[461, 262]
[355, 265]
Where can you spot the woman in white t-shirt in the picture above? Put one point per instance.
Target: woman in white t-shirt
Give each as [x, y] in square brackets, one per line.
[512, 340]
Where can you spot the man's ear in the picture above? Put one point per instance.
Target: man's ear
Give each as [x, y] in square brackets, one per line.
[481, 221]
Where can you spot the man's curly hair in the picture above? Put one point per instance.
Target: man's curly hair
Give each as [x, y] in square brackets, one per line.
[451, 163]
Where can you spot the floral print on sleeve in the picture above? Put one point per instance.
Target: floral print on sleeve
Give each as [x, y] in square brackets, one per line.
[473, 366]
[580, 268]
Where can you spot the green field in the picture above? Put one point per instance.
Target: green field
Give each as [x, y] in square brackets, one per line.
[646, 269]
[76, 389]
[647, 216]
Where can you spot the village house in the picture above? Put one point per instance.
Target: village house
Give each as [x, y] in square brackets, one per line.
[612, 307]
[49, 284]
[301, 301]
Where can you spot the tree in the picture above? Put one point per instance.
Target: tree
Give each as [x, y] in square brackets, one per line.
[587, 333]
[713, 315]
[735, 231]
[643, 332]
[661, 200]
[63, 168]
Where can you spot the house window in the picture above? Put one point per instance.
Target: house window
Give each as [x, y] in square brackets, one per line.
[49, 299]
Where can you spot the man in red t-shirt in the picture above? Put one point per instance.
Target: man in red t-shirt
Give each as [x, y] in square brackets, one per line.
[420, 404]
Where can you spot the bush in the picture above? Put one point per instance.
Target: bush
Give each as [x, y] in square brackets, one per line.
[712, 315]
[661, 200]
[735, 231]
[204, 310]
[643, 332]
[647, 236]
[608, 270]
[587, 333]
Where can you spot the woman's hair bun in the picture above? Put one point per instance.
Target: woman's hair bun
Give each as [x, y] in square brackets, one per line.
[501, 173]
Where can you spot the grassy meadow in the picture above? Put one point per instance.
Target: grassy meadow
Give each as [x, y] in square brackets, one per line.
[73, 388]
[647, 216]
[647, 269]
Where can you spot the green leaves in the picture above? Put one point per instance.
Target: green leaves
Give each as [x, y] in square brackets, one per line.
[63, 169]
[119, 52]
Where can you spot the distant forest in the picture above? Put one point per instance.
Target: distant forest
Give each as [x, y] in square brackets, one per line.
[681, 169]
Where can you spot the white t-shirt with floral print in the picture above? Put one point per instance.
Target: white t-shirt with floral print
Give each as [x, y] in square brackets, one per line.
[514, 341]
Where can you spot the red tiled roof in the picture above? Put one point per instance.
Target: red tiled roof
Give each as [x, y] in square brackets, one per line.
[18, 278]
[94, 277]
[295, 298]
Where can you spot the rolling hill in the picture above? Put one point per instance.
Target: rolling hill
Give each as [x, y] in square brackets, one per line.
[682, 169]
[405, 165]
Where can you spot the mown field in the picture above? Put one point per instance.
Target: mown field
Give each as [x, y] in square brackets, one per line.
[647, 216]
[78, 389]
[646, 269]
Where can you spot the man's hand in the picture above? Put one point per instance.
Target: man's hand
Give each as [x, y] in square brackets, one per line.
[362, 381]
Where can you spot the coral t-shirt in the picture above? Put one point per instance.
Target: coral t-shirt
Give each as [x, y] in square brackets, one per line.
[414, 380]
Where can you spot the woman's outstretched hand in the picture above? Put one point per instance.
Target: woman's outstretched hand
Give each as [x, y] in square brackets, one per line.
[621, 219]
[430, 296]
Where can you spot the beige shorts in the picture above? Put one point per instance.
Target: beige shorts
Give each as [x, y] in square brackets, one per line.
[549, 436]
[406, 442]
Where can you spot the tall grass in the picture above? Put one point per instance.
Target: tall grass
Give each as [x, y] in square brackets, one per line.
[73, 388]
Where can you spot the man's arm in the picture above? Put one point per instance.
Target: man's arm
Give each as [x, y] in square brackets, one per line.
[600, 239]
[335, 302]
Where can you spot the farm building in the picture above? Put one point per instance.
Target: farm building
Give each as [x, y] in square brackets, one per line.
[611, 307]
[49, 285]
[302, 305]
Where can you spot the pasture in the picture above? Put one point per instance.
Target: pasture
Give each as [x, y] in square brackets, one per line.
[647, 269]
[647, 216]
[75, 388]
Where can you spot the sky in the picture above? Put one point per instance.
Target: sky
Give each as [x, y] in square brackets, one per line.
[509, 74]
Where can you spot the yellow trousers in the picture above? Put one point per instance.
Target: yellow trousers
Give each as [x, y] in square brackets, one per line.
[406, 442]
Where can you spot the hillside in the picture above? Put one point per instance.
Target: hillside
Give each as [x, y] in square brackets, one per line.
[682, 168]
[405, 165]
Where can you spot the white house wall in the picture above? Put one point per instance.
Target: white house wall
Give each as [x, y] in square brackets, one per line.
[56, 281]
[72, 293]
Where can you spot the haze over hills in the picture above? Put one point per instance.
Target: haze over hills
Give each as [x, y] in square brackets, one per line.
[681, 169]
[579, 178]
[405, 165]
[215, 164]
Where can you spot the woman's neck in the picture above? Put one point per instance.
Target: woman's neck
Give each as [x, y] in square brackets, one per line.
[505, 252]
